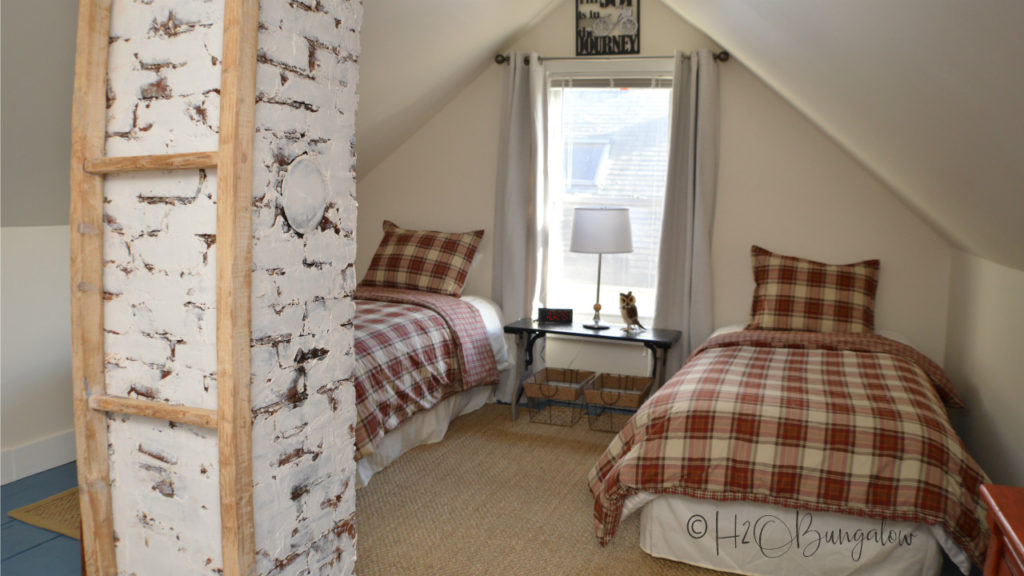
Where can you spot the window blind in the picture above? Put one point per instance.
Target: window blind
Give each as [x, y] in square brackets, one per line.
[610, 82]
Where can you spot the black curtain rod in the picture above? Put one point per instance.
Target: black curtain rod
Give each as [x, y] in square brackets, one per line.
[722, 56]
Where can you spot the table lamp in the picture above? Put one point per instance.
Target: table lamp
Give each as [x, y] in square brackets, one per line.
[600, 231]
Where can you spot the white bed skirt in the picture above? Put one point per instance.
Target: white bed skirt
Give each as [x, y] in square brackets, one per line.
[422, 428]
[763, 539]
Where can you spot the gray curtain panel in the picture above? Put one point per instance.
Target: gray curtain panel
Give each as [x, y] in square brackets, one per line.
[684, 267]
[519, 200]
[519, 232]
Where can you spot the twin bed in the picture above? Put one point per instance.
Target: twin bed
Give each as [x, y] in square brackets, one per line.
[803, 444]
[797, 453]
[424, 353]
[422, 360]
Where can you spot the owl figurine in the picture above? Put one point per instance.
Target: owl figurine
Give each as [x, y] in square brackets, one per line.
[627, 306]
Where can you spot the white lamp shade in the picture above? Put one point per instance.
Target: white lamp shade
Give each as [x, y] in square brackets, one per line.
[601, 231]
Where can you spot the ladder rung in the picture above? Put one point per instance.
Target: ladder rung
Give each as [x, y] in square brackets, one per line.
[202, 417]
[184, 161]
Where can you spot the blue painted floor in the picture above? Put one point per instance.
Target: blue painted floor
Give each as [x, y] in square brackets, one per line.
[30, 551]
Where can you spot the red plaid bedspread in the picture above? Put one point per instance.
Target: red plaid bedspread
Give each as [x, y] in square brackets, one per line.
[413, 349]
[848, 423]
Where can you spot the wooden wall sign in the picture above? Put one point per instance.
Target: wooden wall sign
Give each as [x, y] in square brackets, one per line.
[605, 27]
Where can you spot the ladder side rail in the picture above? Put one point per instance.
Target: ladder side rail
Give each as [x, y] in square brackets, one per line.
[234, 285]
[88, 135]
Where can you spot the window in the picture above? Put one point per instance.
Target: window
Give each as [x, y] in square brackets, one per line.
[583, 161]
[608, 138]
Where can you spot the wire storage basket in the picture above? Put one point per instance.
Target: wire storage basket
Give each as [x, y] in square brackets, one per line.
[612, 399]
[554, 395]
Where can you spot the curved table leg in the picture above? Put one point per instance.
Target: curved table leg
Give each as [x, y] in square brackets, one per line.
[657, 363]
[523, 363]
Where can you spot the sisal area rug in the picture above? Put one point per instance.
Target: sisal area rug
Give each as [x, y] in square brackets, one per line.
[496, 497]
[59, 513]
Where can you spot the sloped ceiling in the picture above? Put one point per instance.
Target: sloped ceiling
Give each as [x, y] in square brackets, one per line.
[927, 94]
[417, 54]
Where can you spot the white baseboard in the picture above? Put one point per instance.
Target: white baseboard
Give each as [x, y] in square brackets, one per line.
[28, 459]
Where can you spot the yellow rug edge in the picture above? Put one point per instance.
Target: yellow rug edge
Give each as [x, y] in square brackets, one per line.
[29, 515]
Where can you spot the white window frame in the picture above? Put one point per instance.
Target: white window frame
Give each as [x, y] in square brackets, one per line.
[630, 72]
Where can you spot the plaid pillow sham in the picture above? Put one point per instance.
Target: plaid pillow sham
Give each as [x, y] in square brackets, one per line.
[798, 294]
[423, 260]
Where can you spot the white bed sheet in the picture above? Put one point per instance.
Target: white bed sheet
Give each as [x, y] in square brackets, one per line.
[763, 539]
[494, 321]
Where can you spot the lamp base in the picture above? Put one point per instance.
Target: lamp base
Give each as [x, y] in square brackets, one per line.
[596, 326]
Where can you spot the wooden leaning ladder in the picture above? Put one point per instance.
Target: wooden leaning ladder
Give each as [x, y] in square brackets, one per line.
[233, 162]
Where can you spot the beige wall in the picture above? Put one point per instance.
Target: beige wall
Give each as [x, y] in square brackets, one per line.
[38, 47]
[442, 178]
[785, 185]
[782, 183]
[985, 360]
[37, 416]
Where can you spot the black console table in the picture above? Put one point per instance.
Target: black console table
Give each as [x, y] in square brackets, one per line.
[528, 331]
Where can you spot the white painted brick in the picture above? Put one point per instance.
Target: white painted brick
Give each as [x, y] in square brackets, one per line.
[173, 254]
[276, 323]
[299, 89]
[324, 247]
[318, 318]
[128, 375]
[264, 290]
[178, 324]
[187, 387]
[174, 184]
[284, 47]
[165, 507]
[133, 218]
[263, 217]
[285, 118]
[331, 369]
[343, 310]
[280, 250]
[116, 313]
[264, 359]
[307, 283]
[145, 49]
[160, 278]
[203, 218]
[114, 282]
[115, 249]
[162, 81]
[137, 347]
[287, 352]
[201, 356]
[163, 137]
[273, 388]
[271, 78]
[130, 18]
